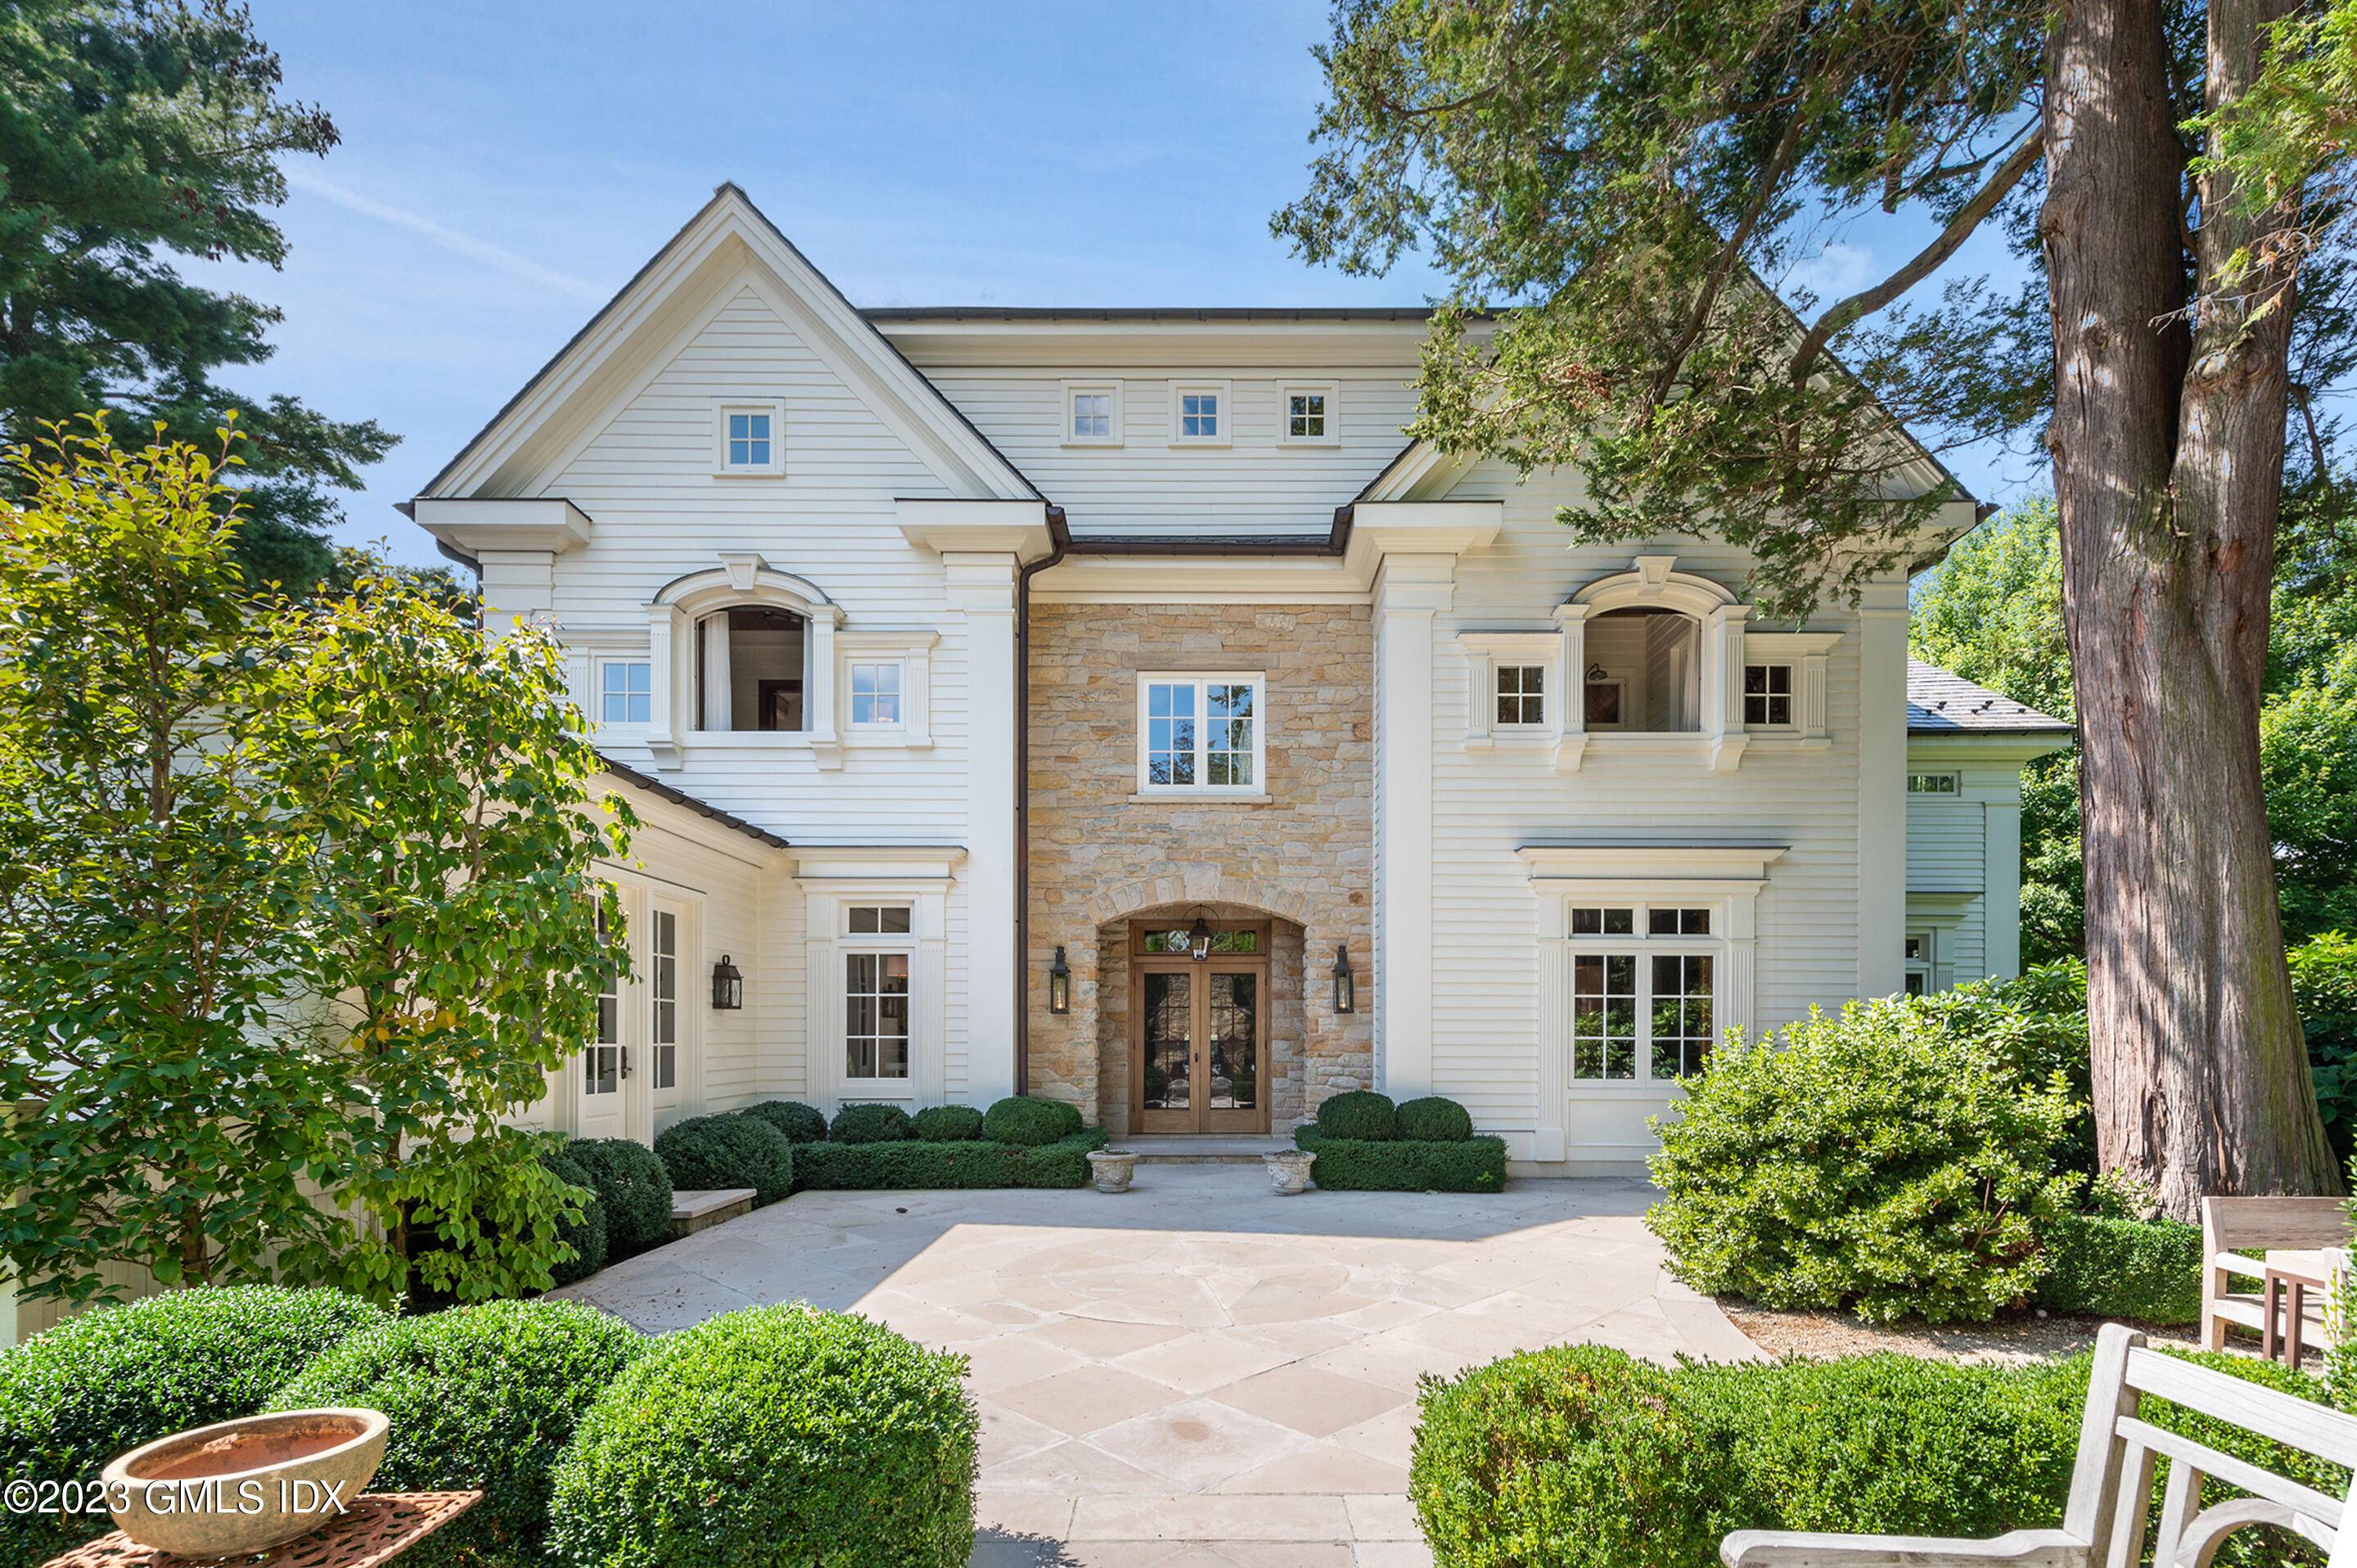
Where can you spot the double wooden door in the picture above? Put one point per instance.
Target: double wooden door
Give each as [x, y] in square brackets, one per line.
[1198, 1042]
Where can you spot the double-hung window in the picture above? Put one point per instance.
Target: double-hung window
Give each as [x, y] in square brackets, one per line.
[1201, 734]
[1645, 990]
[877, 948]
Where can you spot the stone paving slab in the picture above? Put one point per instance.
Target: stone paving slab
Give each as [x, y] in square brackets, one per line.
[1197, 1371]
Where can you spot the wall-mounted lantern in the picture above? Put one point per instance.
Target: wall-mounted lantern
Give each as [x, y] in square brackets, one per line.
[1345, 988]
[1060, 984]
[1198, 938]
[727, 986]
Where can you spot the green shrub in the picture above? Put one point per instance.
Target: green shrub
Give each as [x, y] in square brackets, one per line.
[482, 1398]
[726, 1150]
[1358, 1113]
[948, 1124]
[106, 1381]
[1031, 1122]
[801, 1124]
[1869, 1163]
[1434, 1120]
[870, 1124]
[1575, 1457]
[1357, 1164]
[2037, 1025]
[2324, 986]
[965, 1163]
[770, 1436]
[585, 1236]
[632, 1188]
[2146, 1270]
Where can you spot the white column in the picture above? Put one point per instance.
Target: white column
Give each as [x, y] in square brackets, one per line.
[2001, 888]
[1411, 590]
[718, 712]
[982, 587]
[1882, 788]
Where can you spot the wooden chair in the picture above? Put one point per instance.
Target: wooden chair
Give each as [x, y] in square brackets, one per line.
[2236, 1235]
[2105, 1516]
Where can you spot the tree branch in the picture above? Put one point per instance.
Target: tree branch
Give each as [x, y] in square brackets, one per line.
[1723, 266]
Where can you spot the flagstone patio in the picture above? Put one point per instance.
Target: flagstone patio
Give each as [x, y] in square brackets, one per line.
[1198, 1371]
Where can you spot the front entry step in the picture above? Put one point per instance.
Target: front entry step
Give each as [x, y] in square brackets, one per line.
[1202, 1148]
[700, 1209]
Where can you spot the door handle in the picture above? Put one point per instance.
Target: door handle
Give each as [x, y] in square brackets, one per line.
[626, 1061]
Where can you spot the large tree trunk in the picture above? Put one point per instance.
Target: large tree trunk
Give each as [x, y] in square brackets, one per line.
[2167, 449]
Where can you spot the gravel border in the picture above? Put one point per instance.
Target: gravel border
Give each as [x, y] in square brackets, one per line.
[2011, 1339]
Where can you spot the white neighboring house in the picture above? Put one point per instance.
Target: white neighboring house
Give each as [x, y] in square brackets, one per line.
[1111, 705]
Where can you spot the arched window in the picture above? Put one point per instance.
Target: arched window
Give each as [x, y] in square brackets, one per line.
[1644, 670]
[751, 669]
[743, 650]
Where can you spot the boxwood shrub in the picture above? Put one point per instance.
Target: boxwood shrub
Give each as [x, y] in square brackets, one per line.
[483, 1398]
[1434, 1119]
[2146, 1270]
[1580, 1455]
[959, 1163]
[633, 1188]
[106, 1381]
[728, 1150]
[1358, 1113]
[587, 1235]
[1031, 1122]
[948, 1124]
[870, 1124]
[774, 1434]
[1871, 1161]
[1399, 1165]
[801, 1124]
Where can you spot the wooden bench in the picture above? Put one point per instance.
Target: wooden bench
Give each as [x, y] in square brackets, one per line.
[2105, 1516]
[2237, 1233]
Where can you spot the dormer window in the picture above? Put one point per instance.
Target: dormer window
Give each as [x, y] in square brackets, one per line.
[1199, 414]
[749, 439]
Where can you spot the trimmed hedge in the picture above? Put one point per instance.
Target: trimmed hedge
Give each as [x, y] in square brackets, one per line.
[959, 1163]
[1434, 1119]
[106, 1381]
[1361, 1114]
[1030, 1120]
[2146, 1270]
[770, 1436]
[1359, 1164]
[587, 1235]
[705, 1152]
[482, 1398]
[947, 1124]
[870, 1124]
[801, 1124]
[1583, 1458]
[634, 1189]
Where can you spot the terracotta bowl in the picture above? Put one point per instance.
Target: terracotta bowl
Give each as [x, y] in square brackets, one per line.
[239, 1486]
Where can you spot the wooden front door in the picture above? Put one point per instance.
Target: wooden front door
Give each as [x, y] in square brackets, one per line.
[1199, 1033]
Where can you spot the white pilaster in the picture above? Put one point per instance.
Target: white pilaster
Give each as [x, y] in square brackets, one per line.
[671, 642]
[1409, 590]
[819, 681]
[2001, 888]
[1882, 788]
[982, 588]
[1571, 684]
[1550, 1138]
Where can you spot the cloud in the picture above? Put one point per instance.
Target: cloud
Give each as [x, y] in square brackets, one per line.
[1838, 271]
[449, 239]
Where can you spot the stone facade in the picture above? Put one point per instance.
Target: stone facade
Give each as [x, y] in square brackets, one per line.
[1099, 857]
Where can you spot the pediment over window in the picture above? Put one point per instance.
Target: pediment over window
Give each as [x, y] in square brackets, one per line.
[748, 580]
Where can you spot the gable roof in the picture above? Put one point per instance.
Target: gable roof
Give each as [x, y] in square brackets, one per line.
[1941, 704]
[727, 235]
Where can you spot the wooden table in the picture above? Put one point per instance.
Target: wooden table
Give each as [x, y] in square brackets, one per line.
[2288, 1280]
[377, 1528]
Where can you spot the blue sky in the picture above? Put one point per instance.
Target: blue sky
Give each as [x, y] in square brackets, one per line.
[505, 167]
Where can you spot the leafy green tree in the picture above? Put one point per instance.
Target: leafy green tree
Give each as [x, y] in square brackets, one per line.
[1607, 183]
[134, 132]
[455, 930]
[152, 886]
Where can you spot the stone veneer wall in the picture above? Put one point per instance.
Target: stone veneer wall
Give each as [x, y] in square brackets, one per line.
[1098, 856]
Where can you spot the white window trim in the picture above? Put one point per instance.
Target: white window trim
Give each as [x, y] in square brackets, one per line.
[1928, 966]
[1638, 944]
[1258, 788]
[596, 707]
[827, 897]
[721, 409]
[1955, 794]
[1792, 698]
[1806, 652]
[694, 984]
[1113, 420]
[1285, 396]
[1485, 652]
[912, 650]
[1227, 413]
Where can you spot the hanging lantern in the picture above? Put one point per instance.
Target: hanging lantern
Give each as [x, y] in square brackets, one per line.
[1060, 984]
[1345, 988]
[727, 986]
[1199, 939]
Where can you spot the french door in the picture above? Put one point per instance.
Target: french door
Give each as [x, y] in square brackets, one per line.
[1198, 1044]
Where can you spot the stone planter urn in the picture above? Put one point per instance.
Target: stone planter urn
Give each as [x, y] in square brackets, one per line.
[1111, 1168]
[238, 1486]
[1288, 1171]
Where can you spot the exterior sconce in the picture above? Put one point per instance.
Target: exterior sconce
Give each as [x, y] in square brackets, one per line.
[727, 986]
[1345, 989]
[1199, 939]
[1059, 983]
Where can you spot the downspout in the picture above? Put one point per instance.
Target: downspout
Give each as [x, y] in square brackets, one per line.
[1060, 539]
